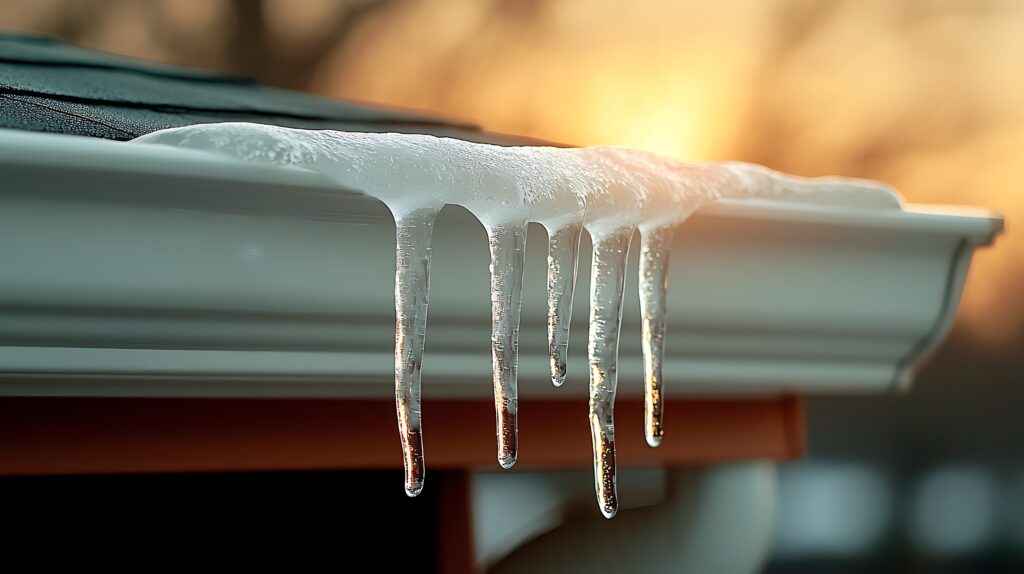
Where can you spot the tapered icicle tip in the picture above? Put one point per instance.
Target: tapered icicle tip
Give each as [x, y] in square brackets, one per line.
[604, 468]
[413, 488]
[415, 469]
[412, 445]
[508, 438]
[654, 428]
[557, 372]
[610, 510]
[653, 441]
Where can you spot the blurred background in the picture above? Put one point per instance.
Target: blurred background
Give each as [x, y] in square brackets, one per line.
[927, 95]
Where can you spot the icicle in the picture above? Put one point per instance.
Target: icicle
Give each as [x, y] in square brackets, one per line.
[654, 257]
[508, 250]
[563, 258]
[607, 284]
[412, 285]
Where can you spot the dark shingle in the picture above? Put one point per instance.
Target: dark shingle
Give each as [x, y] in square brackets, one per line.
[51, 87]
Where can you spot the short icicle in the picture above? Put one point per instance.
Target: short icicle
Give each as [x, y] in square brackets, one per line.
[654, 257]
[507, 244]
[607, 284]
[563, 255]
[412, 285]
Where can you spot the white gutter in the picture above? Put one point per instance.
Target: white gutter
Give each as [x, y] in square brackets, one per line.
[131, 271]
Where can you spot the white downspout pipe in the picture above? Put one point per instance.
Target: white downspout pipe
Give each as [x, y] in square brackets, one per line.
[715, 520]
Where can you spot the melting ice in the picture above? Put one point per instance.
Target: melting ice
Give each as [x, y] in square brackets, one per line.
[610, 192]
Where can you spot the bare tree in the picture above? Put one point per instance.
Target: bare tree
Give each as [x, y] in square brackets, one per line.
[252, 50]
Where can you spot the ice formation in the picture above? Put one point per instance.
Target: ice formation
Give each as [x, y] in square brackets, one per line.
[611, 192]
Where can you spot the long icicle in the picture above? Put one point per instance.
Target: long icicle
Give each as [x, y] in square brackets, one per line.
[607, 284]
[654, 257]
[507, 244]
[412, 285]
[563, 258]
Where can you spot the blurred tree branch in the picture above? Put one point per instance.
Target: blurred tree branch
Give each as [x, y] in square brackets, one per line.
[794, 24]
[253, 51]
[928, 125]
